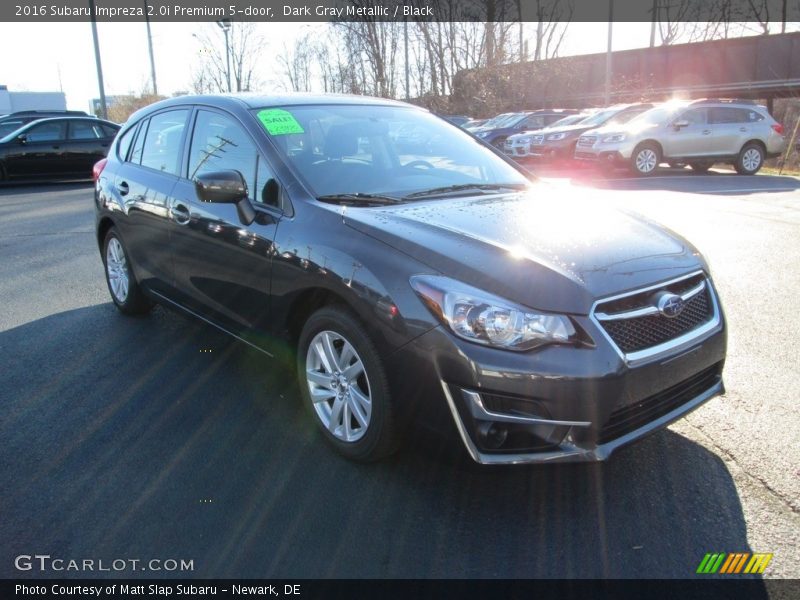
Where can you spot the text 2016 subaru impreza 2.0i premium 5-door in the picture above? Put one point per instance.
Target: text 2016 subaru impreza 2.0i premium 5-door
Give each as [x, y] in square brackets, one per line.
[419, 277]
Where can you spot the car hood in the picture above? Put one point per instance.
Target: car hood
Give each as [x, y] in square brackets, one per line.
[539, 248]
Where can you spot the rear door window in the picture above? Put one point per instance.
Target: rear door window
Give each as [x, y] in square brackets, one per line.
[724, 114]
[162, 142]
[52, 131]
[85, 130]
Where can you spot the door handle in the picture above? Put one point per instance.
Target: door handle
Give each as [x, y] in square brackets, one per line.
[706, 132]
[743, 129]
[180, 213]
[123, 188]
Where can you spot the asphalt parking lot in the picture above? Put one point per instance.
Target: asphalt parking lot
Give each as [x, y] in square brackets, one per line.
[157, 438]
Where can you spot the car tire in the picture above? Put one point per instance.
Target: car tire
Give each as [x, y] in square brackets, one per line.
[750, 159]
[701, 166]
[344, 386]
[645, 159]
[125, 291]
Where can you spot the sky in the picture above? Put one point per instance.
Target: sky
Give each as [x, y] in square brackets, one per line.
[60, 56]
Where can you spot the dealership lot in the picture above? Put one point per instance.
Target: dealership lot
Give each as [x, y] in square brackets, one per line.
[158, 438]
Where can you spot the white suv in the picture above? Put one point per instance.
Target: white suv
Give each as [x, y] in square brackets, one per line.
[698, 133]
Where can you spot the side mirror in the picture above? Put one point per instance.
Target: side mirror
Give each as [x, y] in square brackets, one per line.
[678, 125]
[22, 138]
[227, 187]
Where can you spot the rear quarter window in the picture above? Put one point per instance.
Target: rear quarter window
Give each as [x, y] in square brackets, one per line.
[124, 144]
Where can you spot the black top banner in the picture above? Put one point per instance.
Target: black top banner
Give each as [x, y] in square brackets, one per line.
[759, 11]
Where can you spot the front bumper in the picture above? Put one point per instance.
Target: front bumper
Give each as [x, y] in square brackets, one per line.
[516, 149]
[560, 403]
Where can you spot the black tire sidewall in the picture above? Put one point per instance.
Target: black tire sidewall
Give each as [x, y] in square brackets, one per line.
[379, 439]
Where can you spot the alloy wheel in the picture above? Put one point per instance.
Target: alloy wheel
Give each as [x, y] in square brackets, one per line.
[339, 386]
[646, 160]
[751, 159]
[117, 270]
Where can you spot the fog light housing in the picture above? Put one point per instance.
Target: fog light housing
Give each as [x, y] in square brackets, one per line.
[492, 435]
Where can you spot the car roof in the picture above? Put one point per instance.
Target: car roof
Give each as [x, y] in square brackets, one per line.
[70, 118]
[254, 100]
[251, 100]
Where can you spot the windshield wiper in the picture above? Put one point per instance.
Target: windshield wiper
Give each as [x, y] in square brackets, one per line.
[465, 187]
[360, 199]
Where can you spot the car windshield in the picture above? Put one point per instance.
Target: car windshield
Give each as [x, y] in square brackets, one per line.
[496, 121]
[657, 115]
[513, 120]
[625, 116]
[600, 117]
[389, 151]
[570, 120]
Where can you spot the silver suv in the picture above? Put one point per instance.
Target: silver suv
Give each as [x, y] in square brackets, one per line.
[698, 133]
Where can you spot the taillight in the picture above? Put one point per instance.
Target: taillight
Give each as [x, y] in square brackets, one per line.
[778, 128]
[98, 167]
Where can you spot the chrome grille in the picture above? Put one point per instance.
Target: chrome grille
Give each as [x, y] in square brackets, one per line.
[587, 141]
[634, 323]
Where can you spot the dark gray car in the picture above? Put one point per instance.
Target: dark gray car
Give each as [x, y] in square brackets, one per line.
[436, 287]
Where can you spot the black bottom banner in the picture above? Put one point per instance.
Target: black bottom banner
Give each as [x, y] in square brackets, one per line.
[406, 589]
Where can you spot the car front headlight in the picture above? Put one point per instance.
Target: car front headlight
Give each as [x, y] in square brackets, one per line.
[484, 318]
[523, 140]
[614, 138]
[554, 137]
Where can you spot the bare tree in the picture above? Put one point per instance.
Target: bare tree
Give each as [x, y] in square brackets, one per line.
[552, 19]
[759, 11]
[246, 45]
[671, 16]
[297, 62]
[373, 45]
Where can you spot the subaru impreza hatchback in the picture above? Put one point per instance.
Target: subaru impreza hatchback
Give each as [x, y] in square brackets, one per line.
[424, 284]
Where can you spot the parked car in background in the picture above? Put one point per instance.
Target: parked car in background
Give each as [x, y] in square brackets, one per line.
[698, 133]
[496, 134]
[459, 120]
[474, 124]
[15, 120]
[495, 121]
[442, 289]
[558, 143]
[519, 144]
[55, 147]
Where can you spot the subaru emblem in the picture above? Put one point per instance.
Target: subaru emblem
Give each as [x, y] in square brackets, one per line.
[670, 305]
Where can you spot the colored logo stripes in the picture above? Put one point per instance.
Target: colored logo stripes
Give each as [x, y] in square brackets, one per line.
[734, 563]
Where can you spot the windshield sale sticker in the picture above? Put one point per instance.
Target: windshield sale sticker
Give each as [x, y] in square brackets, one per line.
[279, 122]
